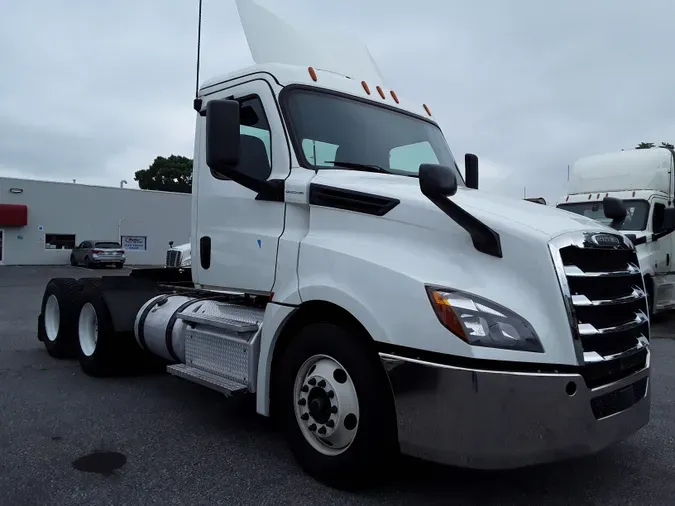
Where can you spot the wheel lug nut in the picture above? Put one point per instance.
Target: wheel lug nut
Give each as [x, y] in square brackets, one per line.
[312, 381]
[312, 427]
[322, 383]
[330, 424]
[322, 430]
[302, 402]
[304, 388]
[305, 417]
[333, 409]
[331, 394]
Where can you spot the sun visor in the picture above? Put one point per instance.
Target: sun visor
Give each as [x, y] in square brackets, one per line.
[273, 40]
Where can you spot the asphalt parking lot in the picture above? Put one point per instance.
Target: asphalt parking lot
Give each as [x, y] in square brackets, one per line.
[182, 444]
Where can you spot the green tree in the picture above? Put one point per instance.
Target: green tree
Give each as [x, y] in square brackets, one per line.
[645, 145]
[172, 174]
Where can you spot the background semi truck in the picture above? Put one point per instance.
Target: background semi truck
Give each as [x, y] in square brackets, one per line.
[643, 180]
[370, 298]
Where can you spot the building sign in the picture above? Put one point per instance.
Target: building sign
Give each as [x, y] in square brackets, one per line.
[134, 242]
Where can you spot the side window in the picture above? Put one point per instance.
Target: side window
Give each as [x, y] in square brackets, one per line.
[657, 216]
[255, 145]
[319, 153]
[409, 158]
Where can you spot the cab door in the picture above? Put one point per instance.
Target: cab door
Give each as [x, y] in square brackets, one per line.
[659, 251]
[237, 236]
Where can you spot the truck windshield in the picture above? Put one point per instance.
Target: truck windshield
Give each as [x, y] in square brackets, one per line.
[332, 130]
[638, 212]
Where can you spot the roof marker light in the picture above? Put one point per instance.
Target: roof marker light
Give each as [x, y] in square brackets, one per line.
[365, 87]
[567, 198]
[312, 74]
[426, 108]
[589, 197]
[393, 95]
[379, 90]
[633, 194]
[598, 196]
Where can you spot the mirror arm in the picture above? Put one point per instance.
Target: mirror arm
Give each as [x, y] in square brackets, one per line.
[660, 235]
[484, 238]
[617, 223]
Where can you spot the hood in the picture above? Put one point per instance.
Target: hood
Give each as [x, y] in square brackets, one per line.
[490, 208]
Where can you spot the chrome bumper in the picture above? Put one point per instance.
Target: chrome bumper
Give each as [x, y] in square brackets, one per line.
[487, 419]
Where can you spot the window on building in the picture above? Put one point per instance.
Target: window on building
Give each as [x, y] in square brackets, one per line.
[60, 241]
[255, 142]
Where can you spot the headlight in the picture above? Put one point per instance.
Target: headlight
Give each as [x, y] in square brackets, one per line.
[480, 322]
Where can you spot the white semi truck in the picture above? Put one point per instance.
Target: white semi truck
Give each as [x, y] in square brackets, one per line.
[179, 256]
[643, 180]
[369, 297]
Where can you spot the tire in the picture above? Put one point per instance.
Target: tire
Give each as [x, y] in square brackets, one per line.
[89, 282]
[73, 263]
[57, 324]
[119, 266]
[87, 263]
[101, 350]
[370, 423]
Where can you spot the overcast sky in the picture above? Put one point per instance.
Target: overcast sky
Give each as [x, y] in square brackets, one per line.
[93, 90]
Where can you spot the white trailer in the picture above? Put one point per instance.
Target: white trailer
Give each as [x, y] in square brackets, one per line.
[368, 296]
[643, 180]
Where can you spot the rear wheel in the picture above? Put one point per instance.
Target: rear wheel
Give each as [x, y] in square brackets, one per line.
[72, 260]
[103, 351]
[58, 317]
[336, 407]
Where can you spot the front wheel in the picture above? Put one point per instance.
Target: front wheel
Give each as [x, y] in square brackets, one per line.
[336, 407]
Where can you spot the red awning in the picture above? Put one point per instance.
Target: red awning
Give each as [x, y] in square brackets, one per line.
[13, 215]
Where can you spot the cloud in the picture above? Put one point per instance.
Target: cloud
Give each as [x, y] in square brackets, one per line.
[95, 90]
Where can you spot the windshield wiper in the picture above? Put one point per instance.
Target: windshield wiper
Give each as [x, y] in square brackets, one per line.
[358, 166]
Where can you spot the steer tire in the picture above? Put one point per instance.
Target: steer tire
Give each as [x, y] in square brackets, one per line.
[57, 323]
[101, 350]
[374, 448]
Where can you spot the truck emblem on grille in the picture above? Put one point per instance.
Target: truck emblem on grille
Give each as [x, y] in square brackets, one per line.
[605, 240]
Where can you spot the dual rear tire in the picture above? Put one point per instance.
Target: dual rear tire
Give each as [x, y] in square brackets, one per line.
[75, 323]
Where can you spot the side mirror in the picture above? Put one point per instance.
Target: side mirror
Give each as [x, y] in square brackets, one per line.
[222, 135]
[615, 210]
[437, 180]
[170, 244]
[471, 170]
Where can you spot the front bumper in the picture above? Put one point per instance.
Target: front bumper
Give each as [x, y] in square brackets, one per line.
[487, 419]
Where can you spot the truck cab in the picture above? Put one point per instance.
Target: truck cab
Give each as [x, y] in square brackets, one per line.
[364, 291]
[643, 180]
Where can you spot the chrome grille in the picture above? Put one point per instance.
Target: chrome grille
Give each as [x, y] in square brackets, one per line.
[604, 293]
[173, 258]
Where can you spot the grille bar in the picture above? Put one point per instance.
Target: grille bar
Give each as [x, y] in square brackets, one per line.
[581, 300]
[587, 329]
[574, 271]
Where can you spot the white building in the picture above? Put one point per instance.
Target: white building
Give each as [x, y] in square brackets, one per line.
[40, 221]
